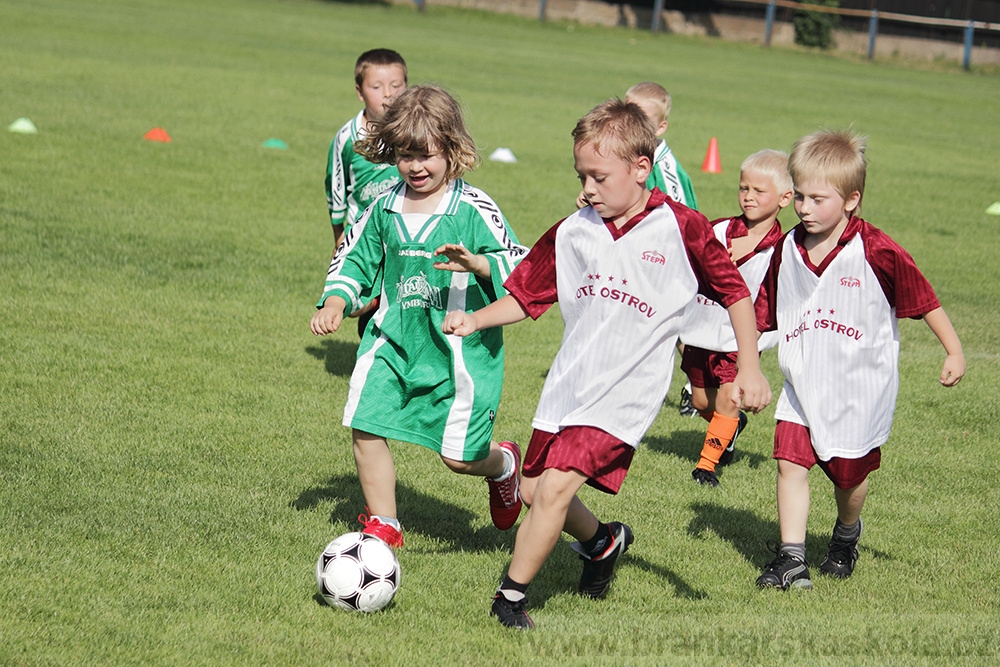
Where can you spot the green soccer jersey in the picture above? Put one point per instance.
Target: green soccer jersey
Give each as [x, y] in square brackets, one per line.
[411, 382]
[670, 177]
[352, 182]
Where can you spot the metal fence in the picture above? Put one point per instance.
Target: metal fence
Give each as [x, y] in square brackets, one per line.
[874, 18]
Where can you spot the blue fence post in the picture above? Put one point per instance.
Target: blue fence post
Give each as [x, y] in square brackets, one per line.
[967, 57]
[872, 31]
[657, 13]
[769, 21]
[541, 11]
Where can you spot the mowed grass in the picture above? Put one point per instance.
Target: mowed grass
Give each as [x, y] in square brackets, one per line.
[171, 453]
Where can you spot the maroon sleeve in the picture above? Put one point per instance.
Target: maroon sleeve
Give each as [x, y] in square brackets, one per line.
[718, 278]
[905, 287]
[766, 302]
[533, 282]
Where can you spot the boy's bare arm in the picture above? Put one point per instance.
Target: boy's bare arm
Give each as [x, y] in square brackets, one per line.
[954, 363]
[459, 258]
[506, 310]
[328, 318]
[751, 390]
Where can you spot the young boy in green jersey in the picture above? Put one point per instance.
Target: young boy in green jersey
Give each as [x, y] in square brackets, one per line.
[352, 182]
[429, 245]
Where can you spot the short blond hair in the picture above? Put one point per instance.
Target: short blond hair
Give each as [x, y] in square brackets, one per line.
[619, 128]
[421, 120]
[772, 164]
[836, 157]
[651, 92]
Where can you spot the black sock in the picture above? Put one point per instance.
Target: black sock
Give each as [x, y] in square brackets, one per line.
[599, 542]
[512, 590]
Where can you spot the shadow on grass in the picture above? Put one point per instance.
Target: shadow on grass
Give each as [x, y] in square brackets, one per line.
[749, 534]
[338, 356]
[453, 526]
[687, 444]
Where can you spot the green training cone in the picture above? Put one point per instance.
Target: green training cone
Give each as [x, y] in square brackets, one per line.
[994, 208]
[23, 126]
[275, 143]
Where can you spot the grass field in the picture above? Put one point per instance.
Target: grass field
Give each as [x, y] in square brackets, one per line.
[171, 453]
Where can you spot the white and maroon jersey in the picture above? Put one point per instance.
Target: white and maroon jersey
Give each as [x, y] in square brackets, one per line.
[838, 341]
[622, 294]
[706, 322]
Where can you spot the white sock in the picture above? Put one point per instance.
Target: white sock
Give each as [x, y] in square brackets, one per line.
[390, 521]
[508, 465]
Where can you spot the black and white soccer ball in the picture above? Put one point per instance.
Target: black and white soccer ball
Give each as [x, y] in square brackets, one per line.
[357, 572]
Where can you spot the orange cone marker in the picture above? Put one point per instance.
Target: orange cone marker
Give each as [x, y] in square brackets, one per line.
[157, 134]
[712, 163]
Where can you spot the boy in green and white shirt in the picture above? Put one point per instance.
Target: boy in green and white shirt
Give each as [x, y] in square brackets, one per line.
[352, 182]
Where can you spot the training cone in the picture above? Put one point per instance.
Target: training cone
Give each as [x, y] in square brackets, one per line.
[276, 143]
[23, 126]
[994, 208]
[157, 134]
[712, 163]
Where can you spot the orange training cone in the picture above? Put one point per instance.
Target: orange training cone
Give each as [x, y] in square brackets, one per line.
[712, 163]
[157, 134]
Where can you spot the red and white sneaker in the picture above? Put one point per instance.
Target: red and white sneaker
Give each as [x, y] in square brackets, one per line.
[385, 532]
[505, 501]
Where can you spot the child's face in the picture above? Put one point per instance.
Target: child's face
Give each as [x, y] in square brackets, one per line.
[613, 187]
[822, 209]
[425, 175]
[759, 197]
[380, 86]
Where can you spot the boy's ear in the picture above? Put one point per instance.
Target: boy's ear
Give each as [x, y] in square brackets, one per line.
[786, 199]
[643, 167]
[661, 128]
[851, 203]
[357, 89]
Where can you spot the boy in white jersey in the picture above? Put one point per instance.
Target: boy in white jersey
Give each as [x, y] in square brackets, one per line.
[833, 293]
[667, 174]
[709, 356]
[352, 182]
[623, 270]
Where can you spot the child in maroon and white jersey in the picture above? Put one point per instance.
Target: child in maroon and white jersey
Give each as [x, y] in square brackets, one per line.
[833, 293]
[623, 270]
[709, 350]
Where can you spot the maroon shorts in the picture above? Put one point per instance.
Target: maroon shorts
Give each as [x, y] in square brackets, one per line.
[707, 369]
[588, 450]
[792, 442]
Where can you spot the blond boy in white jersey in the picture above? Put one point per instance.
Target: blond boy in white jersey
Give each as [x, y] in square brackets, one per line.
[709, 354]
[833, 293]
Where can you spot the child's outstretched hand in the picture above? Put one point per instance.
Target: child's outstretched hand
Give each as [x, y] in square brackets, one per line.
[459, 323]
[459, 258]
[751, 391]
[328, 318]
[953, 370]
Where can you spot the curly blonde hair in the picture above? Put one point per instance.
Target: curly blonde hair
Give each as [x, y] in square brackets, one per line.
[421, 120]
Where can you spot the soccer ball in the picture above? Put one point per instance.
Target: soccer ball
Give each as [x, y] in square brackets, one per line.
[357, 572]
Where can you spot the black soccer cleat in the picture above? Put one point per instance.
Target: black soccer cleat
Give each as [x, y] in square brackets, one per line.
[511, 614]
[599, 571]
[841, 556]
[784, 572]
[686, 407]
[705, 477]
